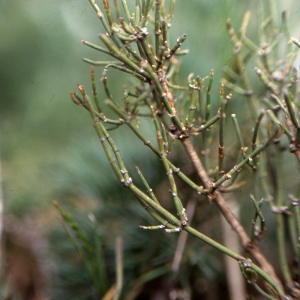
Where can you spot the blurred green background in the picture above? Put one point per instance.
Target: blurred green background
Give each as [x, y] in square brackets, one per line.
[48, 146]
[42, 132]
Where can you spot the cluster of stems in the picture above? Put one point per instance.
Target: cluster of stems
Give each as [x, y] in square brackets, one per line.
[138, 44]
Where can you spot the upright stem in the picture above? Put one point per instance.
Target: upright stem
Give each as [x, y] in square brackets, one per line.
[119, 267]
[280, 232]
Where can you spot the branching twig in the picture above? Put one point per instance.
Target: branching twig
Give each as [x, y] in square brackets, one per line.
[227, 213]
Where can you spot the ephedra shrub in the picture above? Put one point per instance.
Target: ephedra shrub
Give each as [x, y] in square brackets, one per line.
[207, 155]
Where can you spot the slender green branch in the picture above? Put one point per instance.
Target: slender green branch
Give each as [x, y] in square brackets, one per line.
[241, 164]
[257, 234]
[145, 183]
[246, 263]
[280, 232]
[157, 27]
[221, 131]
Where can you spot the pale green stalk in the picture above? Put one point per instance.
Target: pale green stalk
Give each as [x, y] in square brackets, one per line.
[280, 230]
[157, 26]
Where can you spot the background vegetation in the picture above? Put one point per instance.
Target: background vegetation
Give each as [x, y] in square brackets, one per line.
[49, 150]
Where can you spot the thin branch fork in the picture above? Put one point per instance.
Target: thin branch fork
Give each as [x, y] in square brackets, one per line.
[227, 213]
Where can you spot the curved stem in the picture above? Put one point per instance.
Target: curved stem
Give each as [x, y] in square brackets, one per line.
[269, 278]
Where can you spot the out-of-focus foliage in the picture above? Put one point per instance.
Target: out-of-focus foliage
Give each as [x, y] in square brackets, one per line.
[40, 60]
[48, 149]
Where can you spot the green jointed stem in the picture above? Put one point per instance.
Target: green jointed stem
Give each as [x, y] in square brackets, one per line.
[101, 62]
[270, 84]
[262, 292]
[240, 65]
[126, 39]
[235, 88]
[238, 131]
[252, 46]
[245, 23]
[168, 216]
[157, 25]
[122, 57]
[240, 138]
[292, 109]
[279, 102]
[296, 42]
[179, 207]
[108, 12]
[165, 138]
[235, 256]
[208, 89]
[157, 216]
[236, 168]
[112, 160]
[280, 232]
[165, 34]
[147, 142]
[192, 109]
[145, 183]
[164, 96]
[176, 47]
[96, 98]
[101, 17]
[292, 234]
[96, 47]
[141, 51]
[213, 243]
[126, 10]
[204, 238]
[208, 124]
[148, 52]
[123, 170]
[182, 52]
[127, 28]
[95, 6]
[258, 214]
[106, 89]
[221, 130]
[164, 224]
[275, 120]
[134, 53]
[138, 13]
[100, 129]
[295, 203]
[123, 69]
[255, 132]
[201, 236]
[78, 101]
